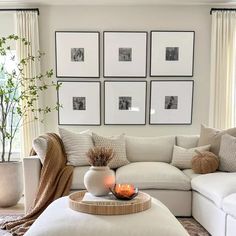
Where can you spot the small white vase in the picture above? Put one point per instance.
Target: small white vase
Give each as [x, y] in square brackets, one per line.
[98, 180]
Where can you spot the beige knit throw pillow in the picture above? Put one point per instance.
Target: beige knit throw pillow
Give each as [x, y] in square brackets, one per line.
[227, 153]
[117, 144]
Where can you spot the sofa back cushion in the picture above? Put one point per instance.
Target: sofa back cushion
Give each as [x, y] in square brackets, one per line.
[40, 146]
[150, 148]
[187, 141]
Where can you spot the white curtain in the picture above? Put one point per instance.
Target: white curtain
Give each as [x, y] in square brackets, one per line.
[223, 58]
[27, 27]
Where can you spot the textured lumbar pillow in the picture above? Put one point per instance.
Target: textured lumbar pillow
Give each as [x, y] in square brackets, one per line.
[182, 157]
[213, 137]
[205, 162]
[117, 144]
[76, 146]
[227, 153]
[40, 146]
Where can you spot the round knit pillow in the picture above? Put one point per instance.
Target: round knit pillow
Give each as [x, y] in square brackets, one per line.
[205, 162]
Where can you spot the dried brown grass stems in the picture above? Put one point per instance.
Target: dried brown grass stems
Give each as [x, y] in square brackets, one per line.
[100, 156]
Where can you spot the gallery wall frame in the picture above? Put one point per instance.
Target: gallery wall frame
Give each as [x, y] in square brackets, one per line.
[74, 54]
[171, 102]
[81, 103]
[125, 54]
[125, 102]
[172, 53]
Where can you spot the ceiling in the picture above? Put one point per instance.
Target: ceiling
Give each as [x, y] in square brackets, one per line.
[116, 2]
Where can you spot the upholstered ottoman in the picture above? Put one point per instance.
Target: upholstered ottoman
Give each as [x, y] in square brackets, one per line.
[59, 220]
[229, 206]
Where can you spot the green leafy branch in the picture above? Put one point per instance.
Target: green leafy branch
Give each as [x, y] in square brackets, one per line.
[19, 94]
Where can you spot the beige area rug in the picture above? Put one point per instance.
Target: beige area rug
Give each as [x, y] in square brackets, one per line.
[4, 218]
[191, 225]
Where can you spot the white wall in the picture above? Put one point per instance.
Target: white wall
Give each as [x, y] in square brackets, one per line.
[145, 18]
[7, 25]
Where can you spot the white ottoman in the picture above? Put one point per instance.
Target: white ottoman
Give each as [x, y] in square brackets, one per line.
[59, 220]
[229, 206]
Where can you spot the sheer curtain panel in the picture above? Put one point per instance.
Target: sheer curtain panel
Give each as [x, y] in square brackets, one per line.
[223, 55]
[27, 27]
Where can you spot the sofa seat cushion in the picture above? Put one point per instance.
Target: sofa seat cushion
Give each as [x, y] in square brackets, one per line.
[78, 177]
[229, 205]
[215, 186]
[190, 173]
[153, 175]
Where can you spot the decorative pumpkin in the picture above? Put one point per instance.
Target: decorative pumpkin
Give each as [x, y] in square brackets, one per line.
[205, 162]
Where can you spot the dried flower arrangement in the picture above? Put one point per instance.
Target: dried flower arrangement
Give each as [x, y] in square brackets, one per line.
[100, 156]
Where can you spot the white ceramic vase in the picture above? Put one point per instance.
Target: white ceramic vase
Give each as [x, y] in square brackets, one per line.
[11, 183]
[98, 180]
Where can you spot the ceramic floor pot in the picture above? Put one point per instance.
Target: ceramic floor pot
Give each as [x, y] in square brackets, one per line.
[11, 183]
[98, 180]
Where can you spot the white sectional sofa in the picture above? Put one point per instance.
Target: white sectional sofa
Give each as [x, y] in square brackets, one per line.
[211, 193]
[209, 198]
[229, 207]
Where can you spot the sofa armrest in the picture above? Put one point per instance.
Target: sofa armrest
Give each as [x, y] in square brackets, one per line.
[32, 168]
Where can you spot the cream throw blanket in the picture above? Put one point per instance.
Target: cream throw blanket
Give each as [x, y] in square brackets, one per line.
[55, 182]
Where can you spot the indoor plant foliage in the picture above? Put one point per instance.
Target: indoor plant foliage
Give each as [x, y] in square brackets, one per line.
[18, 93]
[99, 178]
[19, 96]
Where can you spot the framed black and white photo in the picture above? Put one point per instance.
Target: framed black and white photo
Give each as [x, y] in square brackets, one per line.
[172, 53]
[125, 54]
[77, 54]
[125, 102]
[171, 102]
[81, 103]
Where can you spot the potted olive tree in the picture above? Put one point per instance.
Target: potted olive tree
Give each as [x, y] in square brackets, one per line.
[19, 95]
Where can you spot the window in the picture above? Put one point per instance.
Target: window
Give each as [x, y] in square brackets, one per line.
[10, 65]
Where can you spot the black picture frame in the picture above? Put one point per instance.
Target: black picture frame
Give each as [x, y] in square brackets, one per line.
[98, 55]
[145, 101]
[151, 54]
[99, 100]
[104, 55]
[191, 82]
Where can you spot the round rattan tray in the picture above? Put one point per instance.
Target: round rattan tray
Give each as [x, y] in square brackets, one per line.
[141, 203]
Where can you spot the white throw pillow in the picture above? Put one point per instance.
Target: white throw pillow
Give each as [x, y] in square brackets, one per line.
[40, 146]
[76, 146]
[227, 153]
[213, 137]
[117, 144]
[182, 157]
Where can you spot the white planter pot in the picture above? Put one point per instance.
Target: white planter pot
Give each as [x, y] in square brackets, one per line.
[98, 179]
[11, 183]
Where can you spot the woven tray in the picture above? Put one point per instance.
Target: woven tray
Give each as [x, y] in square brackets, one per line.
[141, 203]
